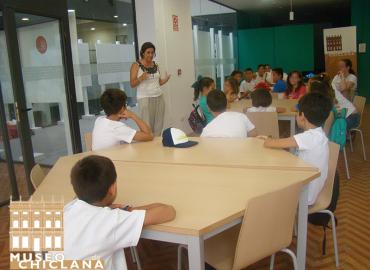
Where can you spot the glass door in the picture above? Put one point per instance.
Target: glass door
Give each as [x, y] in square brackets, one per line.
[39, 93]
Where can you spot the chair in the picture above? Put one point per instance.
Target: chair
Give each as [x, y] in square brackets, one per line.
[359, 102]
[266, 123]
[37, 175]
[88, 141]
[267, 228]
[324, 198]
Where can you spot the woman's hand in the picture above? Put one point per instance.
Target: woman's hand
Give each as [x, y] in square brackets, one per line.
[144, 76]
[165, 80]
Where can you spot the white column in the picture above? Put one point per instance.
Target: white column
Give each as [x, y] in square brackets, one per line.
[31, 118]
[61, 114]
[196, 48]
[213, 52]
[231, 39]
[86, 101]
[67, 131]
[220, 57]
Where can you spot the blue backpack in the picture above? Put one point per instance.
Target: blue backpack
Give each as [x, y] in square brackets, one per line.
[338, 131]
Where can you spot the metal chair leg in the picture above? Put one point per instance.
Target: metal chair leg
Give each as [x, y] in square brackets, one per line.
[350, 141]
[137, 259]
[179, 256]
[346, 162]
[292, 255]
[363, 144]
[272, 261]
[334, 231]
[133, 255]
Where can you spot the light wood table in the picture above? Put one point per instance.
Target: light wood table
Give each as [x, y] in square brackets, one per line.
[288, 104]
[208, 200]
[225, 152]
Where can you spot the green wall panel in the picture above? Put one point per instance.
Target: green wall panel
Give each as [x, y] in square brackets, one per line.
[289, 47]
[361, 19]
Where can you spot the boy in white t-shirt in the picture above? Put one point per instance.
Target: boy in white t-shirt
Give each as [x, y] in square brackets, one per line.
[226, 124]
[109, 130]
[312, 144]
[247, 86]
[94, 227]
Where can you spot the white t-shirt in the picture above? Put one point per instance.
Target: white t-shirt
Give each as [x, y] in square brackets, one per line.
[259, 78]
[344, 103]
[262, 109]
[228, 125]
[108, 133]
[247, 86]
[313, 148]
[269, 77]
[337, 81]
[149, 87]
[100, 231]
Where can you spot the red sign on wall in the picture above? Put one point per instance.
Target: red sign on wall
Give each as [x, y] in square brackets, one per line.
[41, 44]
[175, 23]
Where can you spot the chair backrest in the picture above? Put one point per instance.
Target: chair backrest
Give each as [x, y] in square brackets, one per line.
[37, 175]
[88, 141]
[359, 102]
[274, 95]
[267, 225]
[324, 198]
[266, 123]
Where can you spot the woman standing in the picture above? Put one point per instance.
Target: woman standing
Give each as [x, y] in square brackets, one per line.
[295, 86]
[146, 78]
[345, 81]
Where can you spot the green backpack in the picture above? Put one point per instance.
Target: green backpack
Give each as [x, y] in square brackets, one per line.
[338, 131]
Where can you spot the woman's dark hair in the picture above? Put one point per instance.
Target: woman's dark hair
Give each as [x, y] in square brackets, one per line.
[201, 83]
[261, 98]
[145, 46]
[348, 64]
[289, 88]
[234, 84]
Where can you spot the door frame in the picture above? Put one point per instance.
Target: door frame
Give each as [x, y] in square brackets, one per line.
[56, 9]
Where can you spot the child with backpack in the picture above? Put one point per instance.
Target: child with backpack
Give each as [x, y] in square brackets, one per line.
[312, 145]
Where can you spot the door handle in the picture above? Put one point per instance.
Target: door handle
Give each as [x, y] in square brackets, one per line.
[26, 110]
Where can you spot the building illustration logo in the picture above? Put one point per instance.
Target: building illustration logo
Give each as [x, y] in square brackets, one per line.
[334, 43]
[37, 237]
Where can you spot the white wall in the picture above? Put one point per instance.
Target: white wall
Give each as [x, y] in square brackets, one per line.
[206, 7]
[174, 51]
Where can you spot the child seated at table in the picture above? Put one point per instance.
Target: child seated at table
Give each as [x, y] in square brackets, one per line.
[261, 102]
[109, 130]
[312, 145]
[277, 77]
[201, 89]
[94, 226]
[226, 124]
[231, 90]
[248, 85]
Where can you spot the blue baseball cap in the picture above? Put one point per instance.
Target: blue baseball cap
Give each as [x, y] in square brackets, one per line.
[173, 137]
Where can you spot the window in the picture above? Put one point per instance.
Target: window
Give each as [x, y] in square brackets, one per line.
[36, 224]
[58, 242]
[48, 224]
[15, 224]
[103, 49]
[25, 241]
[15, 242]
[25, 224]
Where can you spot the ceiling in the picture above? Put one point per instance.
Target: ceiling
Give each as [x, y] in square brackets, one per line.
[248, 5]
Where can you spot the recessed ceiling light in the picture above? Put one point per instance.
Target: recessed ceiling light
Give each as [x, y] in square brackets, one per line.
[92, 28]
[115, 16]
[124, 24]
[25, 19]
[71, 10]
